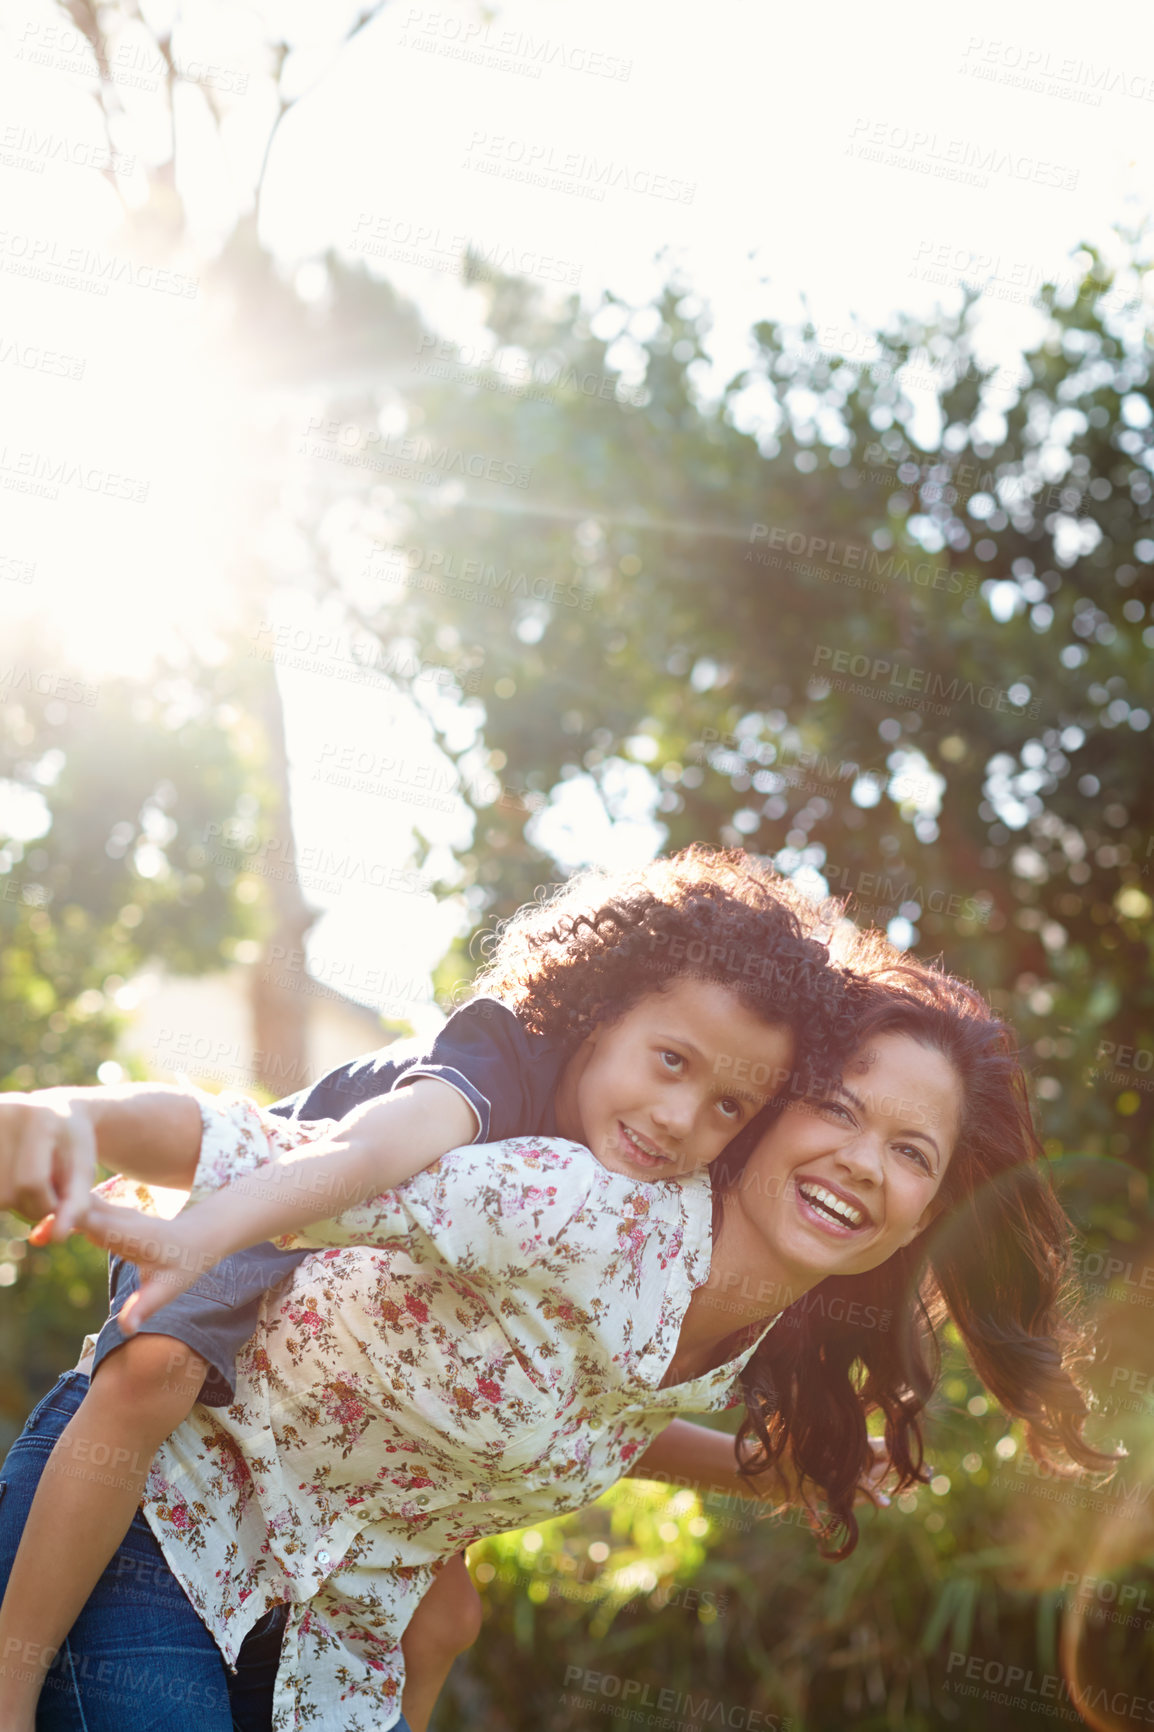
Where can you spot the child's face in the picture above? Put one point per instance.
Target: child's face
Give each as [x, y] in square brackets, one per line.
[661, 1092]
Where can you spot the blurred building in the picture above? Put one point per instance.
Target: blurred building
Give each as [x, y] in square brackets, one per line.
[202, 1028]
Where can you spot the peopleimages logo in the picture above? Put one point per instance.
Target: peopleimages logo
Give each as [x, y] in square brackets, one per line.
[767, 541]
[1022, 1687]
[65, 688]
[25, 147]
[135, 66]
[962, 159]
[33, 359]
[49, 260]
[420, 243]
[1027, 67]
[440, 571]
[369, 448]
[574, 171]
[477, 41]
[42, 475]
[16, 570]
[636, 1693]
[900, 683]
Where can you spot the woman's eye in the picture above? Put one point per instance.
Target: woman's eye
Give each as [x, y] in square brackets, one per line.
[918, 1155]
[838, 1107]
[672, 1060]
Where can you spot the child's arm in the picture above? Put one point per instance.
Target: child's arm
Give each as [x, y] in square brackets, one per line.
[50, 1142]
[377, 1147]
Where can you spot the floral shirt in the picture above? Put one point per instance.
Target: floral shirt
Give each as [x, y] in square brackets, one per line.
[472, 1352]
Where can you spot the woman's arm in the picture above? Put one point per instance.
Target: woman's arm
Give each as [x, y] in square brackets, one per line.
[684, 1451]
[51, 1141]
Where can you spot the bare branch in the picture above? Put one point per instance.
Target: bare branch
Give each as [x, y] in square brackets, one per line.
[83, 16]
[286, 104]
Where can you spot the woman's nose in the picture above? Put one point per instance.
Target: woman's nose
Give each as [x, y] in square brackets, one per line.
[862, 1156]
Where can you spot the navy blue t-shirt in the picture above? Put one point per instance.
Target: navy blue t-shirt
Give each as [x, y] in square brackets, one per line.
[507, 1075]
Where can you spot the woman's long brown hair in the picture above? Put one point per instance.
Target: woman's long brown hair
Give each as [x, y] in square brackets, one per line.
[996, 1260]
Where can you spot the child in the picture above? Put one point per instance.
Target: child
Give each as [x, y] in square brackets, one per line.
[651, 1022]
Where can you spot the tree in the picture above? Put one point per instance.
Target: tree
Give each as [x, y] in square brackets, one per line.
[289, 348]
[913, 663]
[118, 799]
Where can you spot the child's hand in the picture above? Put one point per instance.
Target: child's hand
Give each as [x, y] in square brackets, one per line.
[171, 1255]
[47, 1160]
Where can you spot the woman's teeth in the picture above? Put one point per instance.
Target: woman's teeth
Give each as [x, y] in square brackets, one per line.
[831, 1204]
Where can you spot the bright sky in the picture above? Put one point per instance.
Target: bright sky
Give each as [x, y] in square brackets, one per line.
[865, 162]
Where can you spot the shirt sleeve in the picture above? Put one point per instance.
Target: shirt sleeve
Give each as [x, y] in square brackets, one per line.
[506, 1074]
[238, 1137]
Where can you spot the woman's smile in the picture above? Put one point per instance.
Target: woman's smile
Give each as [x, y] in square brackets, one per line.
[830, 1208]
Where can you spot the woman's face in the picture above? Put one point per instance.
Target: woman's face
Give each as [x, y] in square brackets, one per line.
[838, 1184]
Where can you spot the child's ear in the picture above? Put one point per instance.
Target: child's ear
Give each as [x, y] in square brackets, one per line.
[578, 1060]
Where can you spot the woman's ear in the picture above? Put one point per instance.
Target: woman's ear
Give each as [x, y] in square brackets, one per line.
[935, 1207]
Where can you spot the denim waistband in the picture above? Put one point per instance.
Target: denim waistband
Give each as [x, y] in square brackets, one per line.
[68, 1383]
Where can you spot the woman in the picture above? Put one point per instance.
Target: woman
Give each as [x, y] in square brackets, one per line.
[542, 1320]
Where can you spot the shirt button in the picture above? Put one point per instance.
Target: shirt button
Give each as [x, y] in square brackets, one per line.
[421, 1501]
[324, 1560]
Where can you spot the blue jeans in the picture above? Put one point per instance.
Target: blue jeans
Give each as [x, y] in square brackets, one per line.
[138, 1658]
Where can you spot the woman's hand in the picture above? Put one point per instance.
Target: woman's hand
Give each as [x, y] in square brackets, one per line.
[871, 1482]
[171, 1255]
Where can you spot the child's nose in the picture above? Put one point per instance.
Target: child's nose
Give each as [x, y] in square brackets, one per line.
[676, 1114]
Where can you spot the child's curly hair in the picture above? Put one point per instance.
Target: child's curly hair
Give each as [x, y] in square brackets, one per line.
[586, 954]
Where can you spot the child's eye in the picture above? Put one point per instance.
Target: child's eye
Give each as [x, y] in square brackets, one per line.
[730, 1107]
[672, 1060]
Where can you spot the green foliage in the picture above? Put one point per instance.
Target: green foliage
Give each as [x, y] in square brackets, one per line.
[131, 784]
[134, 790]
[984, 583]
[718, 1603]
